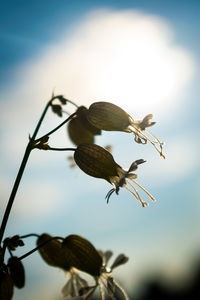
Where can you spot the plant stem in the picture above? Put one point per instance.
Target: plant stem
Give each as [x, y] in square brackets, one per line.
[14, 190]
[61, 149]
[39, 246]
[56, 128]
[20, 173]
[29, 235]
[41, 119]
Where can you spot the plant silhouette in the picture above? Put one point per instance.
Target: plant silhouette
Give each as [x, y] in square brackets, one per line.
[75, 254]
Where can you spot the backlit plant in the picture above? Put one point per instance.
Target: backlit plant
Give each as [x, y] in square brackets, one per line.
[75, 254]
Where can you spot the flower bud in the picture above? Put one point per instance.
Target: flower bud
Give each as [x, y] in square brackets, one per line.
[78, 133]
[53, 253]
[80, 130]
[17, 272]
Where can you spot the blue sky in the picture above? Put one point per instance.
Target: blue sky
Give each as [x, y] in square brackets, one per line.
[141, 55]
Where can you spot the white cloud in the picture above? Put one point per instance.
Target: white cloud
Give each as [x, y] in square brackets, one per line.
[126, 57]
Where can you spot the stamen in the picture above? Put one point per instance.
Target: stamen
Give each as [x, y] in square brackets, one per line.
[122, 290]
[139, 132]
[150, 196]
[159, 142]
[137, 196]
[101, 290]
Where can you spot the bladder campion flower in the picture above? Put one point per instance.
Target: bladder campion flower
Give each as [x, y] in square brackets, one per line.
[105, 281]
[98, 162]
[110, 117]
[74, 284]
[80, 130]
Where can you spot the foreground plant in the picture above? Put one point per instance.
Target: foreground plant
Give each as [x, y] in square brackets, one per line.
[98, 162]
[74, 253]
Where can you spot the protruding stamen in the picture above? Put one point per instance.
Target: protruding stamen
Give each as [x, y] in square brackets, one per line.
[150, 196]
[142, 135]
[137, 196]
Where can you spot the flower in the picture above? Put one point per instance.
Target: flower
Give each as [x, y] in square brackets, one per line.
[105, 281]
[98, 162]
[110, 117]
[80, 130]
[74, 284]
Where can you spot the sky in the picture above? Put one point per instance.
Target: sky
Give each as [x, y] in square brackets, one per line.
[140, 55]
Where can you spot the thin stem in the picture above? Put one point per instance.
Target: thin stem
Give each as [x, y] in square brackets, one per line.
[56, 128]
[41, 119]
[29, 235]
[14, 190]
[20, 173]
[40, 246]
[70, 101]
[62, 149]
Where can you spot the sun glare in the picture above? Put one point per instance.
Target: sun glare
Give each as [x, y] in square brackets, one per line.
[128, 58]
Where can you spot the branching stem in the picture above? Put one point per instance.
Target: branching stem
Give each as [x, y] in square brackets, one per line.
[40, 246]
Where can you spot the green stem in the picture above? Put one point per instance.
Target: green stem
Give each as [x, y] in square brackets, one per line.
[61, 149]
[20, 173]
[41, 119]
[39, 246]
[14, 190]
[73, 103]
[29, 235]
[56, 128]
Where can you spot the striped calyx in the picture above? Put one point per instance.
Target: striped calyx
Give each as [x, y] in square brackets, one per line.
[17, 271]
[95, 161]
[82, 254]
[53, 253]
[108, 116]
[80, 130]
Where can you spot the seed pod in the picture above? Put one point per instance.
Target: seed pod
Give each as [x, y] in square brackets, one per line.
[6, 286]
[52, 252]
[95, 161]
[108, 116]
[17, 272]
[82, 254]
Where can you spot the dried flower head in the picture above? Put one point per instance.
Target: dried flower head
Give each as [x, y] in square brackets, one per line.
[110, 117]
[98, 162]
